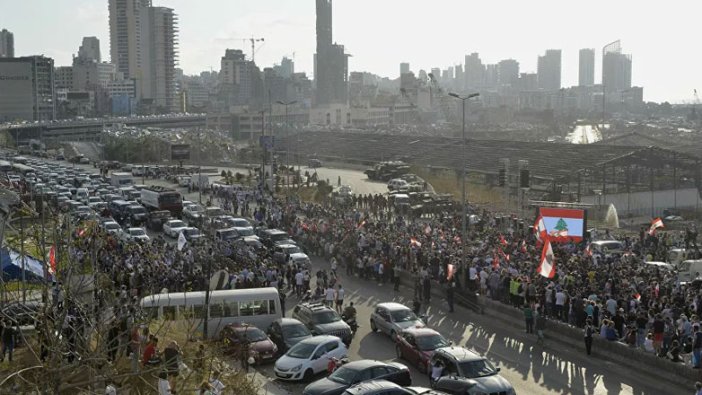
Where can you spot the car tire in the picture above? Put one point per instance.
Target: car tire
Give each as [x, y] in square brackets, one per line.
[398, 352]
[373, 327]
[307, 377]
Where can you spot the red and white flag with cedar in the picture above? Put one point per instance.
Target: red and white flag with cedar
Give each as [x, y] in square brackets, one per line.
[547, 266]
[655, 224]
[52, 259]
[540, 229]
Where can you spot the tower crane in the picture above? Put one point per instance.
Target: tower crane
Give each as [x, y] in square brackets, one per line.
[253, 42]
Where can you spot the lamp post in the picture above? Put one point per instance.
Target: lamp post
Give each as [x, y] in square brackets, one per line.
[287, 131]
[463, 100]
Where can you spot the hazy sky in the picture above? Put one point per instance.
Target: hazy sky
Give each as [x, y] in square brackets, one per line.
[662, 36]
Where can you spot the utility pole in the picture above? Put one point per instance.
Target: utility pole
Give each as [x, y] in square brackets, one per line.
[464, 202]
[199, 165]
[287, 132]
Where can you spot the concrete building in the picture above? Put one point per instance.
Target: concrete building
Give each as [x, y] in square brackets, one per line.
[286, 68]
[240, 80]
[508, 72]
[90, 50]
[7, 44]
[586, 69]
[27, 86]
[549, 70]
[143, 46]
[404, 68]
[63, 78]
[616, 72]
[330, 61]
[474, 71]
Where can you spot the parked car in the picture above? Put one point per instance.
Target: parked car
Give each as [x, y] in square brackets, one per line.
[468, 372]
[392, 318]
[192, 233]
[417, 346]
[359, 371]
[385, 387]
[309, 357]
[260, 347]
[173, 227]
[286, 332]
[322, 320]
[292, 251]
[111, 227]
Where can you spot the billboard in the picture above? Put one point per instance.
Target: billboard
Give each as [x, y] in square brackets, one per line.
[180, 151]
[17, 97]
[563, 224]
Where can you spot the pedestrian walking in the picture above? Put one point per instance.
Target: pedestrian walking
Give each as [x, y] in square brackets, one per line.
[529, 318]
[340, 299]
[588, 332]
[449, 295]
[540, 325]
[9, 337]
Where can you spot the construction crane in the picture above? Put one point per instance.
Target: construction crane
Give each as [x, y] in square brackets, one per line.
[253, 42]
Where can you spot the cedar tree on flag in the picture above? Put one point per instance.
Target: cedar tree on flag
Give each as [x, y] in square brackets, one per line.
[547, 267]
[655, 224]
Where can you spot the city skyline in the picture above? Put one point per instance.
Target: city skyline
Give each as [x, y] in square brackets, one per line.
[289, 27]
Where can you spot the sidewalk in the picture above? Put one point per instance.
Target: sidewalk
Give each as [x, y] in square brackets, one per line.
[267, 385]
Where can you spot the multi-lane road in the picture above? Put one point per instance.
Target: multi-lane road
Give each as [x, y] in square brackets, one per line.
[532, 369]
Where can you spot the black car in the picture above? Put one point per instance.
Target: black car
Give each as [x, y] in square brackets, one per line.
[322, 320]
[156, 219]
[359, 371]
[270, 237]
[286, 332]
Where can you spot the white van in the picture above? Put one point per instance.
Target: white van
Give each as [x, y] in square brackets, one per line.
[82, 195]
[256, 306]
[689, 270]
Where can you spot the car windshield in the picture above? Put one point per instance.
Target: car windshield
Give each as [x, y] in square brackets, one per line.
[254, 335]
[301, 350]
[191, 232]
[299, 330]
[344, 375]
[112, 225]
[195, 208]
[137, 232]
[403, 315]
[241, 223]
[431, 342]
[177, 224]
[292, 250]
[245, 232]
[324, 317]
[137, 210]
[479, 368]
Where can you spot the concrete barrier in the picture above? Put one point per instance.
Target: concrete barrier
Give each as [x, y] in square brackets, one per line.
[617, 352]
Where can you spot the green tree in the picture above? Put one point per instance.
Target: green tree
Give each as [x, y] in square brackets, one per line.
[561, 225]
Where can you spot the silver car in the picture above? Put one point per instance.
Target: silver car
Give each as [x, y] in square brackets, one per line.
[392, 318]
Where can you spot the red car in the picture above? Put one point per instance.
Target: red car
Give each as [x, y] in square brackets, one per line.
[417, 345]
[237, 336]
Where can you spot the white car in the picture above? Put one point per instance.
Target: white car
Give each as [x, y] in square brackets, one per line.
[173, 227]
[111, 227]
[309, 357]
[397, 183]
[135, 234]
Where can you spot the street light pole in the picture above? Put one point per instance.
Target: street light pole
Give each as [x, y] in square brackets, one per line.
[463, 176]
[287, 134]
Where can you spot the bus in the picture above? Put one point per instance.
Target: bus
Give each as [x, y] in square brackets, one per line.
[5, 166]
[22, 169]
[256, 306]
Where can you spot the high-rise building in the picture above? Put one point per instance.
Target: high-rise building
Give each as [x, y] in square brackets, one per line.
[330, 61]
[404, 68]
[7, 44]
[238, 78]
[27, 89]
[586, 69]
[160, 47]
[508, 72]
[286, 69]
[143, 46]
[474, 71]
[549, 70]
[90, 49]
[616, 72]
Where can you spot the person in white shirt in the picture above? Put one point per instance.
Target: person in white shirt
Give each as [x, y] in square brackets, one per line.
[216, 384]
[329, 296]
[340, 299]
[436, 371]
[299, 277]
[164, 388]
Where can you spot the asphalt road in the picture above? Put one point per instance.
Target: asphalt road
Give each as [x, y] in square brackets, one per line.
[531, 368]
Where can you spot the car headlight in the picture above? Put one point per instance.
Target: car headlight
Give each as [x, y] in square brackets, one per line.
[296, 368]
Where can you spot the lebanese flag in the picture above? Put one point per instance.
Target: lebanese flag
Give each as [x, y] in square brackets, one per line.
[52, 259]
[655, 224]
[547, 267]
[540, 229]
[503, 241]
[414, 242]
[451, 269]
[588, 251]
